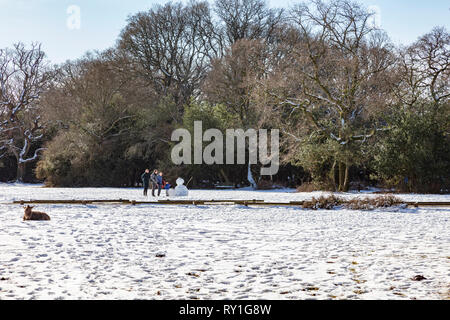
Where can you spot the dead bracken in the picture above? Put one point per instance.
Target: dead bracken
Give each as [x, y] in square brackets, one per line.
[331, 202]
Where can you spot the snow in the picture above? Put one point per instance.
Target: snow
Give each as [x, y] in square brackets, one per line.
[219, 252]
[180, 190]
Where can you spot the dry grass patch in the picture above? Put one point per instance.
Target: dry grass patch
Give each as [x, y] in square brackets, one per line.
[307, 187]
[384, 201]
[330, 202]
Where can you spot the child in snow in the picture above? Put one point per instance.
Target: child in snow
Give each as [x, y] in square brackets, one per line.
[167, 187]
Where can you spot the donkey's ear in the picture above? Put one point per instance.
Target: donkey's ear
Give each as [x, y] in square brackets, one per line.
[31, 207]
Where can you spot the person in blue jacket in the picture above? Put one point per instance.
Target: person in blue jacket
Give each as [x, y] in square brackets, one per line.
[167, 187]
[159, 181]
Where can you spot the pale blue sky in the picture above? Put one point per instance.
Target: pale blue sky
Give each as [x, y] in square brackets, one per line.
[45, 21]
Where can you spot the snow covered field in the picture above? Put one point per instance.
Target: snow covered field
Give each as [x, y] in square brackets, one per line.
[220, 252]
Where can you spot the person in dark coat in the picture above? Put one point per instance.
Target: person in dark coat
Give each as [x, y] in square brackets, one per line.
[145, 177]
[154, 181]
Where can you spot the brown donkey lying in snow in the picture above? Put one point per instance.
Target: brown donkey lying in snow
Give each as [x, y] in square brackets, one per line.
[34, 215]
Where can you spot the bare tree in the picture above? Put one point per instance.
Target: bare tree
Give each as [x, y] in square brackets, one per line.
[232, 81]
[96, 107]
[233, 77]
[333, 78]
[425, 69]
[23, 78]
[95, 96]
[247, 19]
[171, 46]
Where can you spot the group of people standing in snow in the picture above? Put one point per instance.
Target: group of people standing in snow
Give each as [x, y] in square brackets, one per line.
[156, 180]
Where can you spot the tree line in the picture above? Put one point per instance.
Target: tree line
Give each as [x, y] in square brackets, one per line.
[352, 109]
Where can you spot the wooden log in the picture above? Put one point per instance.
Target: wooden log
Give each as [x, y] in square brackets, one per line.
[206, 202]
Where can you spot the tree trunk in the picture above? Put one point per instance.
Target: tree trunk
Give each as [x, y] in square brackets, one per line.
[20, 171]
[344, 177]
[332, 175]
[225, 177]
[250, 177]
[341, 176]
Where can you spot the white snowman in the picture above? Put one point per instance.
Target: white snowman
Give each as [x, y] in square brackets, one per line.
[180, 190]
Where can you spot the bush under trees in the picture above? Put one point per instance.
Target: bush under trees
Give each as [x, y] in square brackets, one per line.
[352, 108]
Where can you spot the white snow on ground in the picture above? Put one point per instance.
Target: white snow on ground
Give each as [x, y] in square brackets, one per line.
[219, 252]
[9, 192]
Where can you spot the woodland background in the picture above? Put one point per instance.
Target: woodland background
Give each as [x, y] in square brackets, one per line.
[353, 109]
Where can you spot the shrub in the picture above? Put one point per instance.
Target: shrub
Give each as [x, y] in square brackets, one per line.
[322, 202]
[265, 185]
[316, 186]
[372, 203]
[330, 202]
[413, 155]
[307, 187]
